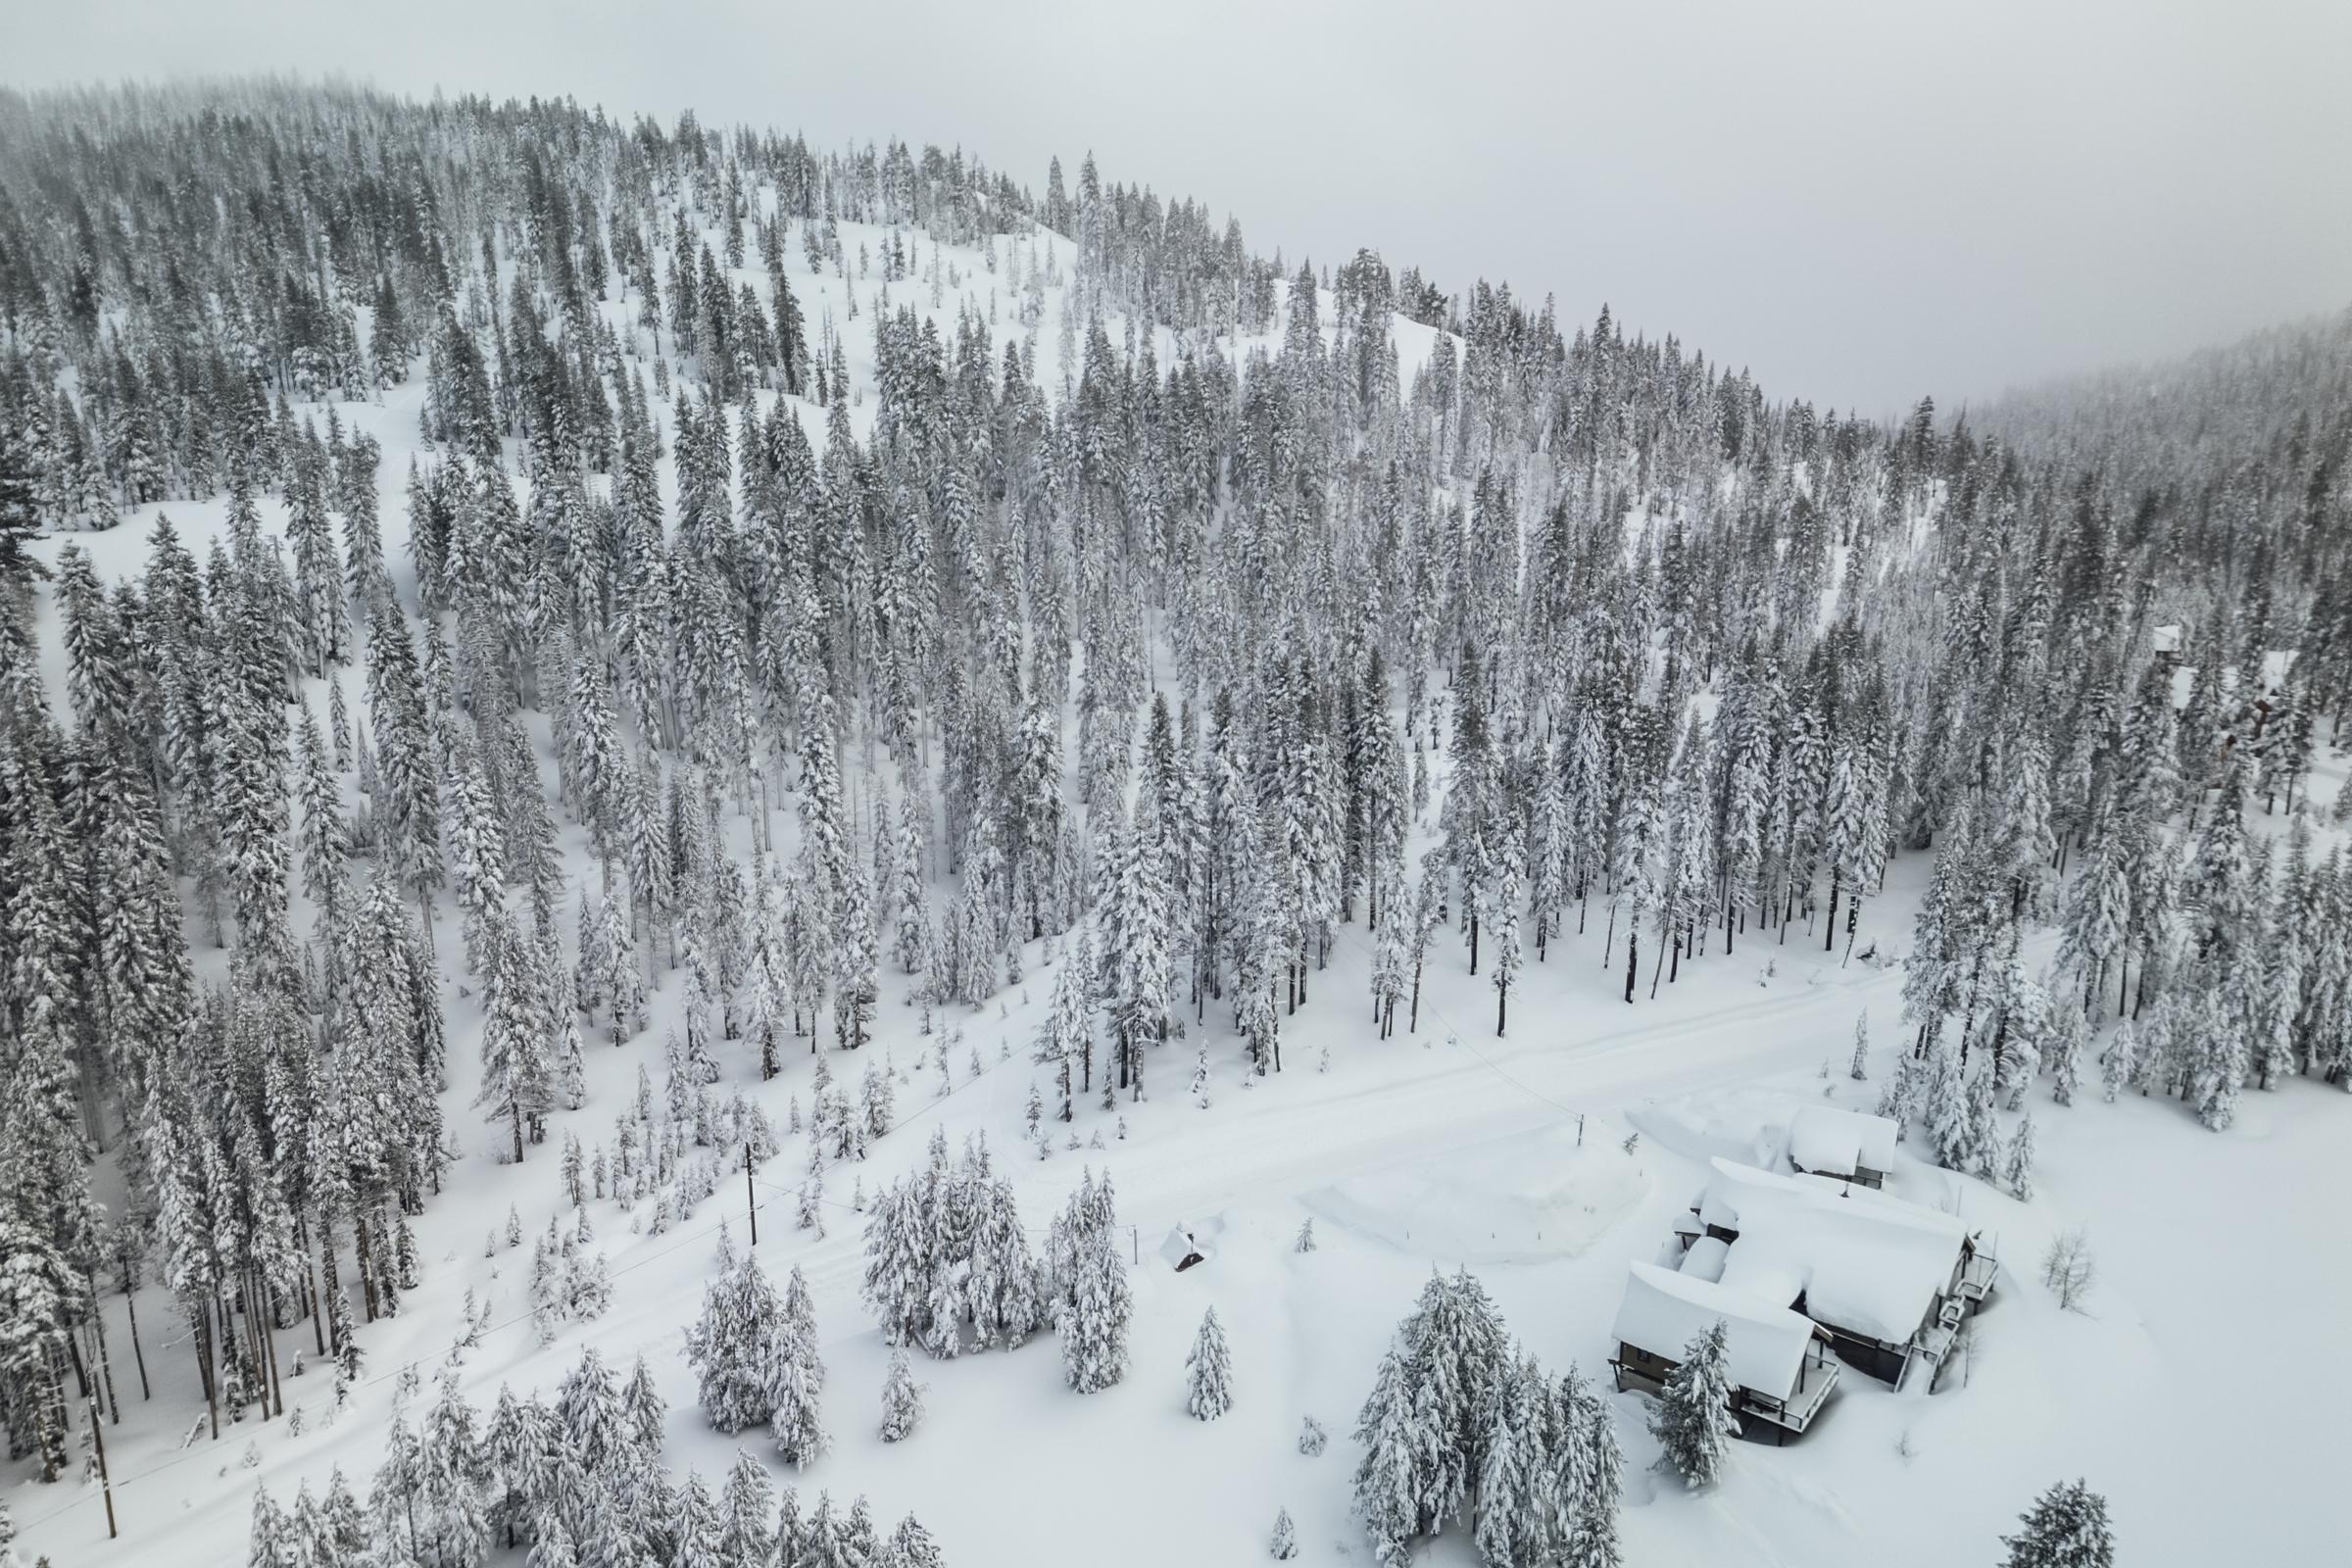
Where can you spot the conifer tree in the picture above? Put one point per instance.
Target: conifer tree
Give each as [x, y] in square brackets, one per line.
[1208, 1370]
[1589, 1489]
[796, 1377]
[2119, 1064]
[901, 1399]
[2066, 1528]
[1692, 1420]
[735, 1349]
[1506, 931]
[517, 1073]
[1093, 1318]
[1386, 1477]
[2018, 1176]
[1283, 1545]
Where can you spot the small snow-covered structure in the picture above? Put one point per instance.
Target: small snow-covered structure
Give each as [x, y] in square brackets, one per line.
[1887, 1280]
[1188, 1245]
[1706, 1259]
[1779, 1372]
[1849, 1144]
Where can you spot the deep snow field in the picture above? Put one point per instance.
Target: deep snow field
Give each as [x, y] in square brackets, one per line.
[2200, 1390]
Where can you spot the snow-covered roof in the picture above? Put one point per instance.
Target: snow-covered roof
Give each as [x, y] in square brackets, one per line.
[1664, 1311]
[1190, 1236]
[1864, 1260]
[1705, 1260]
[1822, 1137]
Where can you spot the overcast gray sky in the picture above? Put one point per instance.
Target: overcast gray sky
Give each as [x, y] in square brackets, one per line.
[1861, 200]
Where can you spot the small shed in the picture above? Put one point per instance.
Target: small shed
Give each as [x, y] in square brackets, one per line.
[1191, 1244]
[1849, 1144]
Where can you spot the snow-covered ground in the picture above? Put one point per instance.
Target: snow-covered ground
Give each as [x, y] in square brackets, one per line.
[2197, 1389]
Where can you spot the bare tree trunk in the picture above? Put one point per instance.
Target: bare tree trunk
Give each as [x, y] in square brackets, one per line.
[106, 1368]
[277, 1384]
[131, 1304]
[206, 1369]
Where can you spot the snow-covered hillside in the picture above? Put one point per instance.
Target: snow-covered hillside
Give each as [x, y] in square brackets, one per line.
[1371, 629]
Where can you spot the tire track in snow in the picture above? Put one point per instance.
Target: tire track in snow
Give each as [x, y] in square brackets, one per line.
[1297, 1144]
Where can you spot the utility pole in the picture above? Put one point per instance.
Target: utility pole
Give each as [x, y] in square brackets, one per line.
[750, 1199]
[106, 1481]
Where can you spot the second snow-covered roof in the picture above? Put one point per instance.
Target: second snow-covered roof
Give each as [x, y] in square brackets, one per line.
[1827, 1139]
[1864, 1260]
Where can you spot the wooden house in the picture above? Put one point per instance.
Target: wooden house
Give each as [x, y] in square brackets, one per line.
[1887, 1281]
[1776, 1360]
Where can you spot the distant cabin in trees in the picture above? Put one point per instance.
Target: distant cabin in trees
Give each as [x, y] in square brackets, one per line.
[1776, 1360]
[1848, 1146]
[1887, 1281]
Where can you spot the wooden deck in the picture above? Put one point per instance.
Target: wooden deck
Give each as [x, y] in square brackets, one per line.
[1816, 1376]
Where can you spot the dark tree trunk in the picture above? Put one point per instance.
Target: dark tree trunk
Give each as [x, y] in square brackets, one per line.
[130, 1305]
[205, 1368]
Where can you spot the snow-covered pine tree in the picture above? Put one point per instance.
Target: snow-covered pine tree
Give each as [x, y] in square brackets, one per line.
[1283, 1545]
[2119, 1063]
[1512, 1433]
[2069, 1039]
[1209, 1371]
[1387, 1477]
[747, 1513]
[1589, 1478]
[734, 1347]
[901, 1399]
[1693, 1421]
[796, 1378]
[2066, 1528]
[1093, 1318]
[1508, 894]
[2018, 1168]
[517, 1075]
